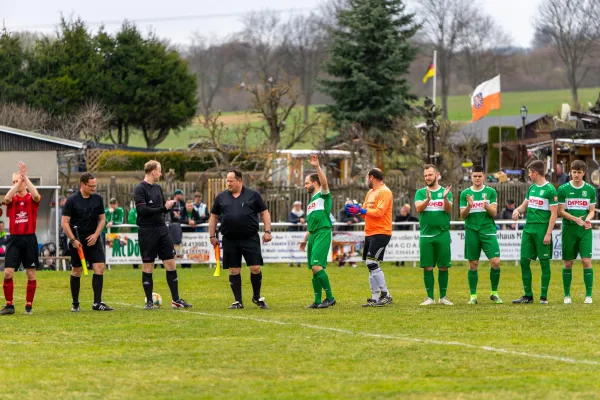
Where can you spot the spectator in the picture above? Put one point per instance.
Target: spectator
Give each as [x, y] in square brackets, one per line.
[132, 220]
[296, 216]
[202, 210]
[63, 242]
[506, 214]
[178, 208]
[344, 252]
[404, 216]
[346, 218]
[561, 177]
[190, 217]
[3, 239]
[115, 215]
[70, 192]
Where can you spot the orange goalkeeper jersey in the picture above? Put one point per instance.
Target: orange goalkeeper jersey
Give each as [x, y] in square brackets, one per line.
[378, 220]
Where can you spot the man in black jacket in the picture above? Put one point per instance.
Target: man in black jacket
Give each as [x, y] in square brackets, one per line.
[153, 235]
[404, 216]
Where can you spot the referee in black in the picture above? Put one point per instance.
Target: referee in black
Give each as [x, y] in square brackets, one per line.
[85, 210]
[153, 234]
[237, 209]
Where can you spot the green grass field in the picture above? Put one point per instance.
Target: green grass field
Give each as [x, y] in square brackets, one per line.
[288, 352]
[459, 109]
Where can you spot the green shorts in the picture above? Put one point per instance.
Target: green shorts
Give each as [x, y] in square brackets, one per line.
[317, 248]
[476, 241]
[435, 251]
[576, 240]
[532, 243]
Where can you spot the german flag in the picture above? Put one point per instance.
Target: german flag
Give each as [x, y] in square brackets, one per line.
[430, 73]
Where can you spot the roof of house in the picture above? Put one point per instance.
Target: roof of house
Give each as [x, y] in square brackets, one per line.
[479, 129]
[42, 137]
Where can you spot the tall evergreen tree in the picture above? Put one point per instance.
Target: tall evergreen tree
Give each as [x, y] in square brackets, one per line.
[370, 54]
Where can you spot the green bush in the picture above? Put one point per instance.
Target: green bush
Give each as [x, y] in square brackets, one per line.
[509, 133]
[181, 162]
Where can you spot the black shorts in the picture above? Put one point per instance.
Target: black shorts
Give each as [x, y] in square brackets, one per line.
[155, 242]
[93, 254]
[375, 247]
[22, 249]
[235, 249]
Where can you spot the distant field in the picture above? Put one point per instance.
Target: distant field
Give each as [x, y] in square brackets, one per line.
[459, 109]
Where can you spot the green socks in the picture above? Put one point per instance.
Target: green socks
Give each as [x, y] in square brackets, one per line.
[495, 279]
[429, 282]
[567, 278]
[443, 282]
[473, 278]
[546, 274]
[317, 289]
[588, 279]
[526, 276]
[324, 280]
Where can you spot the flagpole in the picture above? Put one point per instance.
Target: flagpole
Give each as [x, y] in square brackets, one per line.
[500, 130]
[434, 74]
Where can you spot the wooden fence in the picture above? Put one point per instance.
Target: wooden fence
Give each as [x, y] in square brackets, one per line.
[280, 199]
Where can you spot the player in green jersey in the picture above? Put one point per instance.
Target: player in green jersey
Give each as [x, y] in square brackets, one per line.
[478, 207]
[318, 238]
[576, 206]
[541, 205]
[434, 205]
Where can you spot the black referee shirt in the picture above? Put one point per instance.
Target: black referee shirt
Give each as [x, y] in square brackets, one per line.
[238, 216]
[84, 212]
[150, 204]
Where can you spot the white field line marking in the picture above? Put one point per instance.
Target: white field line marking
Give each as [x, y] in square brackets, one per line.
[395, 337]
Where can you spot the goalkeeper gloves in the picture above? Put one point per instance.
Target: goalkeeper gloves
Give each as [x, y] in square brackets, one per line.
[354, 209]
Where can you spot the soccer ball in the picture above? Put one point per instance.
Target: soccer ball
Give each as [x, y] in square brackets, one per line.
[156, 300]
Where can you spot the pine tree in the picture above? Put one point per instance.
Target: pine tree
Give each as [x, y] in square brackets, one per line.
[370, 54]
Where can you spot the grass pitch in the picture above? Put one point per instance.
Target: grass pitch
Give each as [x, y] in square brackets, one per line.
[398, 351]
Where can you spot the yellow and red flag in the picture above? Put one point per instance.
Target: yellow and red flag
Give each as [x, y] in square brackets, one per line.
[485, 98]
[430, 73]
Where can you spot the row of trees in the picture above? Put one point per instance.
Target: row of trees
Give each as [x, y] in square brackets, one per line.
[135, 81]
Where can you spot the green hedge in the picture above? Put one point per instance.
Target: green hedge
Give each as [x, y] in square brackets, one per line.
[181, 162]
[509, 133]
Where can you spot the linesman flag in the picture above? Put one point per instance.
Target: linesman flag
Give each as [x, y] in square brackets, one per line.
[485, 98]
[430, 73]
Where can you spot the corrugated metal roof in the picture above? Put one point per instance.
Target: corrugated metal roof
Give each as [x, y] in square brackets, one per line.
[42, 137]
[479, 129]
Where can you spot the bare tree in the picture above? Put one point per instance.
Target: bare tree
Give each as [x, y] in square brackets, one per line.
[211, 62]
[572, 26]
[484, 49]
[307, 37]
[446, 26]
[275, 101]
[265, 35]
[24, 117]
[90, 122]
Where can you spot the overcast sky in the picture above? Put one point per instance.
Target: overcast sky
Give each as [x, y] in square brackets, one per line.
[208, 17]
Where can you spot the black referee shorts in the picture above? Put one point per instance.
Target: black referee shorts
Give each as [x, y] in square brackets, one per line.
[375, 246]
[235, 249]
[22, 249]
[93, 254]
[155, 242]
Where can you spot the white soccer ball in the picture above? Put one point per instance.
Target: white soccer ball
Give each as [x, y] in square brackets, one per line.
[156, 300]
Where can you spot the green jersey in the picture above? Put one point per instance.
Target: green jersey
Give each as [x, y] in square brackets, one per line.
[117, 217]
[577, 200]
[317, 212]
[433, 220]
[540, 199]
[478, 218]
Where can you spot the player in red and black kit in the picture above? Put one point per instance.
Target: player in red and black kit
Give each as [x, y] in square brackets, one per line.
[22, 202]
[153, 234]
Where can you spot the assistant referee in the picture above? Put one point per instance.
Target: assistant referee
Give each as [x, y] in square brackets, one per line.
[237, 209]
